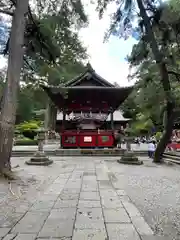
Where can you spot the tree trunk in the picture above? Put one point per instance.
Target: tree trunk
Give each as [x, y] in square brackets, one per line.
[9, 102]
[170, 103]
[167, 133]
[46, 122]
[46, 117]
[52, 118]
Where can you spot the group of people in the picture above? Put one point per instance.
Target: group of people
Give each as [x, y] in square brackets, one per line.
[119, 139]
[175, 136]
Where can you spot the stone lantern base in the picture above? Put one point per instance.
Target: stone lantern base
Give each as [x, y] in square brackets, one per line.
[39, 159]
[130, 158]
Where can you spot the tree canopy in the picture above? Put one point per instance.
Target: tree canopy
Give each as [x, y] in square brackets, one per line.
[148, 97]
[53, 51]
[156, 55]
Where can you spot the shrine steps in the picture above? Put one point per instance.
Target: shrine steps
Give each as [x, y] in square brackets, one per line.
[77, 152]
[173, 157]
[89, 152]
[93, 152]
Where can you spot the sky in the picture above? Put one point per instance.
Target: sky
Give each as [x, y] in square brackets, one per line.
[107, 59]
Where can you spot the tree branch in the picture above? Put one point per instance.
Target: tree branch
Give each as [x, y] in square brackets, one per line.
[177, 75]
[7, 12]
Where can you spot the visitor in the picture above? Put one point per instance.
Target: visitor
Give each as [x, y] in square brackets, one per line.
[117, 139]
[151, 149]
[138, 141]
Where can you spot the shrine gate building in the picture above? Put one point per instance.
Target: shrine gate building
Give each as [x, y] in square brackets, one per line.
[87, 110]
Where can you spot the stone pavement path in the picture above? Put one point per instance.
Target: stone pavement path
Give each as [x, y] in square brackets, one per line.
[80, 203]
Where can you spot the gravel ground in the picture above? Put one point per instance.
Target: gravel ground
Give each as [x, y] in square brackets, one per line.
[155, 190]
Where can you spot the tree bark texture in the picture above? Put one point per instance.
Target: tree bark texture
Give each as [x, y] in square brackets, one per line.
[46, 121]
[167, 133]
[52, 117]
[46, 117]
[9, 102]
[170, 103]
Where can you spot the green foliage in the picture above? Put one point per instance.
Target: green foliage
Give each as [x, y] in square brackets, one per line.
[30, 99]
[129, 107]
[26, 126]
[142, 125]
[51, 39]
[158, 136]
[55, 43]
[29, 129]
[149, 95]
[53, 51]
[25, 105]
[26, 142]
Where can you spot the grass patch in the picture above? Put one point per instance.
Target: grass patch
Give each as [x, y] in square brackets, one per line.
[26, 142]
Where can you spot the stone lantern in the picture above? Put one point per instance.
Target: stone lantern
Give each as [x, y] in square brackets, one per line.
[129, 157]
[40, 157]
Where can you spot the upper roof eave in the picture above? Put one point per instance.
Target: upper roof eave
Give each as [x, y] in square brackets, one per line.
[89, 71]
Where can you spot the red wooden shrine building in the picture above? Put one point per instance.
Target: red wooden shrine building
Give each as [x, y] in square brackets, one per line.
[88, 101]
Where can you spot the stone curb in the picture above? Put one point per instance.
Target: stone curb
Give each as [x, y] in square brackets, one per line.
[55, 154]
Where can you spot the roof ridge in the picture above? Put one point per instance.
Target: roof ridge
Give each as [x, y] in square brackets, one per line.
[89, 69]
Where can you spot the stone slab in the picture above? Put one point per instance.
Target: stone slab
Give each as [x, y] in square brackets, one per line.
[90, 196]
[59, 223]
[10, 236]
[116, 216]
[54, 189]
[4, 231]
[89, 178]
[91, 173]
[143, 237]
[90, 234]
[121, 192]
[62, 213]
[21, 206]
[105, 184]
[47, 197]
[124, 198]
[69, 194]
[43, 206]
[141, 226]
[63, 176]
[10, 219]
[32, 222]
[102, 177]
[61, 181]
[131, 209]
[89, 218]
[108, 193]
[50, 238]
[57, 228]
[70, 190]
[89, 204]
[122, 232]
[73, 184]
[66, 203]
[89, 186]
[111, 202]
[25, 237]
